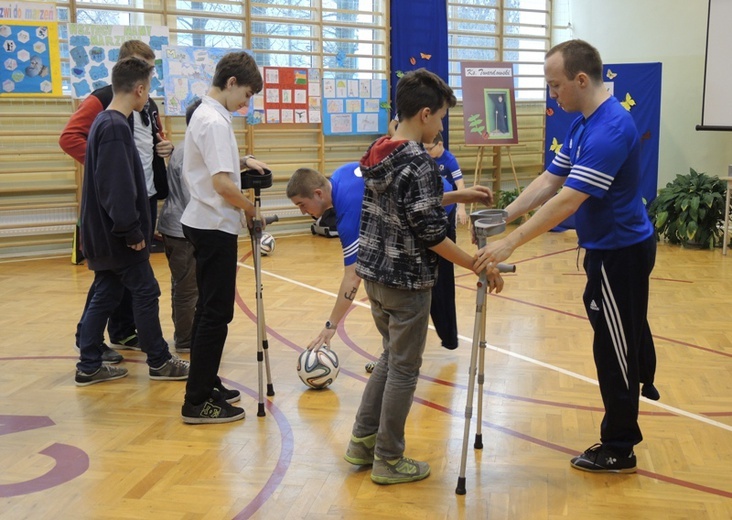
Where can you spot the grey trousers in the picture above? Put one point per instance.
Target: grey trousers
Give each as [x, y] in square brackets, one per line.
[402, 317]
[182, 264]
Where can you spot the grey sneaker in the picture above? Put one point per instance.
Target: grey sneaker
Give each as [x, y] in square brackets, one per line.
[398, 471]
[360, 451]
[103, 373]
[109, 356]
[129, 343]
[175, 369]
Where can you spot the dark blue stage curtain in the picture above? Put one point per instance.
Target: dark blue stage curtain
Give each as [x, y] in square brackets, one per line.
[418, 40]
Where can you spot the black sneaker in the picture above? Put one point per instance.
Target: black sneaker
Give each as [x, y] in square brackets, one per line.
[129, 343]
[103, 373]
[601, 459]
[212, 411]
[175, 369]
[109, 356]
[229, 395]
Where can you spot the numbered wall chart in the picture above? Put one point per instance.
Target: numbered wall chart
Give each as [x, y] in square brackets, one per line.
[94, 49]
[354, 106]
[290, 95]
[29, 53]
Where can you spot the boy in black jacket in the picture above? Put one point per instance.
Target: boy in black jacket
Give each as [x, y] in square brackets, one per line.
[115, 221]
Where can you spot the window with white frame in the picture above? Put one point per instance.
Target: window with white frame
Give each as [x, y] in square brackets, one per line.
[346, 38]
[517, 31]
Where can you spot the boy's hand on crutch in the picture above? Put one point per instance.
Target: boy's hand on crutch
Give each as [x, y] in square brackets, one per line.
[250, 163]
[495, 281]
[247, 216]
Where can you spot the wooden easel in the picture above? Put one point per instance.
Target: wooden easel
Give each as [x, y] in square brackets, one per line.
[496, 167]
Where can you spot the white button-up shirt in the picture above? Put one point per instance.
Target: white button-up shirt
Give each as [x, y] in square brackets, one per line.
[210, 148]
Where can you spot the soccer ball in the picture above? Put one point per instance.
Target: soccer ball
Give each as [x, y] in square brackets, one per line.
[318, 369]
[267, 244]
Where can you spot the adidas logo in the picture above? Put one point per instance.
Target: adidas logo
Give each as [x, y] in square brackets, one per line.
[593, 306]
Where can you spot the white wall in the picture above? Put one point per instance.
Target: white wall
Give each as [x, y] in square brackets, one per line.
[672, 32]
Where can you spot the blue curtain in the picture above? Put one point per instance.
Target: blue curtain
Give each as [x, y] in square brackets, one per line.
[418, 40]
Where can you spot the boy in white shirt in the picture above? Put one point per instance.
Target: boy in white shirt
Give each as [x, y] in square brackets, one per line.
[212, 222]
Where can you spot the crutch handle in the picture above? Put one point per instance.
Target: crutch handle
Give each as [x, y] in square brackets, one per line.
[506, 268]
[270, 220]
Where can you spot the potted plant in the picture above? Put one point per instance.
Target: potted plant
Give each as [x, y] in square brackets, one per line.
[506, 197]
[690, 210]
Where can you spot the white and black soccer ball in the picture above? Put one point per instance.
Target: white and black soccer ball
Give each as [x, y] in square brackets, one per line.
[267, 244]
[318, 369]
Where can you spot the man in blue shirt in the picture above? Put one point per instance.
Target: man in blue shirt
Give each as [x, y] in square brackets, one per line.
[599, 169]
[313, 193]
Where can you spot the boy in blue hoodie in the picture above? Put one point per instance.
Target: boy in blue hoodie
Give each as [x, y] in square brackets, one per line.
[403, 230]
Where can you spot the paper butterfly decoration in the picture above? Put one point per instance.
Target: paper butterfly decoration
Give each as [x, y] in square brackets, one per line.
[628, 103]
[555, 146]
[610, 74]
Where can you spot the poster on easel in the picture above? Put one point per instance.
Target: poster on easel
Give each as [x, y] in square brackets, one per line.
[30, 63]
[489, 103]
[289, 95]
[94, 49]
[355, 106]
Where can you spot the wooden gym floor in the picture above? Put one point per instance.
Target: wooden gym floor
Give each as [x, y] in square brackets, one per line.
[119, 450]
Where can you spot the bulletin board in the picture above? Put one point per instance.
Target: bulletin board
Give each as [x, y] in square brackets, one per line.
[187, 75]
[355, 106]
[290, 95]
[94, 49]
[30, 63]
[489, 105]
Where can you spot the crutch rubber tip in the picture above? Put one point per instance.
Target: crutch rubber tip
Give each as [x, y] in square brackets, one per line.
[460, 489]
[260, 410]
[478, 442]
[270, 389]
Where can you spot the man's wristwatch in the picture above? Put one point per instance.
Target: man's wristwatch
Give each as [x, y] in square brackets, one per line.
[329, 325]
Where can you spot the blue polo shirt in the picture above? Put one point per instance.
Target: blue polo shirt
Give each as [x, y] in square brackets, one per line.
[347, 195]
[601, 157]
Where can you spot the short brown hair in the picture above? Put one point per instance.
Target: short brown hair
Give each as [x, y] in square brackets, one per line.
[127, 73]
[304, 182]
[242, 67]
[136, 48]
[579, 56]
[419, 89]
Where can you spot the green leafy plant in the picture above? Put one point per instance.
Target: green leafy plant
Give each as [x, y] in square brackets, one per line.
[690, 210]
[506, 197]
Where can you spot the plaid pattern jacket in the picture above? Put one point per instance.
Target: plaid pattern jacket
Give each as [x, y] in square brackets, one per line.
[401, 218]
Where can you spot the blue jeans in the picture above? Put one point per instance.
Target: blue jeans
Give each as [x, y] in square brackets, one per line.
[184, 292]
[216, 254]
[402, 317]
[109, 287]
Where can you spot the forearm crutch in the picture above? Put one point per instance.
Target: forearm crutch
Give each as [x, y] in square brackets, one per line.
[252, 179]
[485, 223]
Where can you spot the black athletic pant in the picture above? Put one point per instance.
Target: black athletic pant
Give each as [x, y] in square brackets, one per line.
[616, 300]
[442, 309]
